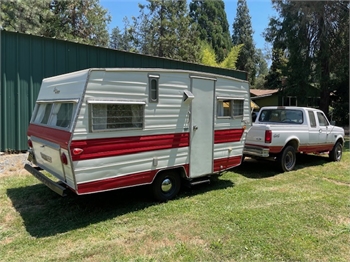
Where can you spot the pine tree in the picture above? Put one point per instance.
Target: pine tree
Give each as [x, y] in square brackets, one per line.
[163, 29]
[210, 16]
[243, 34]
[316, 37]
[83, 21]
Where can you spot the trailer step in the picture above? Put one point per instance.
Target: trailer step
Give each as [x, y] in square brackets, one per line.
[197, 182]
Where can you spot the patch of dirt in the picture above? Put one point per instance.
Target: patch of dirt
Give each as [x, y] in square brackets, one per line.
[12, 164]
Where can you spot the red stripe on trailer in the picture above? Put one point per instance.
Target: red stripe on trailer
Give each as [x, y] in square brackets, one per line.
[57, 136]
[108, 147]
[226, 163]
[228, 135]
[125, 181]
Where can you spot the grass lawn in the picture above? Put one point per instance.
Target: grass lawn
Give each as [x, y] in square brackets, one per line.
[252, 213]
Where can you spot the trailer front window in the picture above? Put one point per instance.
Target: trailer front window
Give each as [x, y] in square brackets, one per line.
[57, 114]
[110, 117]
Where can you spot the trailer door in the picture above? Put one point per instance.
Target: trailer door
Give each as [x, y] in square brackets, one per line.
[202, 126]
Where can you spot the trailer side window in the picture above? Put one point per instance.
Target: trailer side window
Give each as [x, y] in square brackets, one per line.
[109, 116]
[229, 108]
[153, 88]
[238, 108]
[224, 108]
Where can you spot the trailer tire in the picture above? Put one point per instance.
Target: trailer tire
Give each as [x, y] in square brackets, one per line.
[336, 153]
[287, 159]
[166, 185]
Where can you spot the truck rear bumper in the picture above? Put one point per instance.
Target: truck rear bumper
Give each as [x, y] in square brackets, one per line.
[54, 186]
[256, 151]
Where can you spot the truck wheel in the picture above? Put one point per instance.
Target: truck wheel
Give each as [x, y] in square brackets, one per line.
[287, 159]
[336, 153]
[166, 186]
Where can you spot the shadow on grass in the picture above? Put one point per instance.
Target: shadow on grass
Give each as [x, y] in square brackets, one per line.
[45, 213]
[261, 168]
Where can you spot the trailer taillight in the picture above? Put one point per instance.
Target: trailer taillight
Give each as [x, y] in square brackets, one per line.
[64, 159]
[77, 151]
[30, 143]
[268, 136]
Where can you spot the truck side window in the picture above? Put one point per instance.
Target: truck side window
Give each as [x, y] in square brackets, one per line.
[116, 116]
[153, 88]
[312, 119]
[322, 120]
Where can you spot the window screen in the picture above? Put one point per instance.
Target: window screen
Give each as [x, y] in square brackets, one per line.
[116, 116]
[238, 108]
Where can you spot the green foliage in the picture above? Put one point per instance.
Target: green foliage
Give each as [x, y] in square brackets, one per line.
[210, 18]
[232, 57]
[121, 40]
[164, 29]
[82, 21]
[315, 35]
[243, 34]
[208, 57]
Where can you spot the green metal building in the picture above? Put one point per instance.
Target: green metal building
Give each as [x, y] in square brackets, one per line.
[27, 59]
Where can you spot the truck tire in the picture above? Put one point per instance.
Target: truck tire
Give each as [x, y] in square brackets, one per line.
[166, 185]
[287, 159]
[336, 153]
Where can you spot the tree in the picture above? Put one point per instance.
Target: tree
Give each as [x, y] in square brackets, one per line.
[243, 34]
[208, 57]
[84, 21]
[24, 16]
[121, 40]
[163, 29]
[316, 36]
[273, 80]
[261, 69]
[210, 16]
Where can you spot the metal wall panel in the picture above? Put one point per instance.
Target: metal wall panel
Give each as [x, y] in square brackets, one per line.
[27, 59]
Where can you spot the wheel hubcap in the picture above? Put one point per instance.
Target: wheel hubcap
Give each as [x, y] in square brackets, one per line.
[166, 185]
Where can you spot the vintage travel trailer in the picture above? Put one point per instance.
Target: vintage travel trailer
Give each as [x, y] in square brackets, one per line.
[103, 129]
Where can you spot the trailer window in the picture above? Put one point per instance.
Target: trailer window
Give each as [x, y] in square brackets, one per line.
[153, 87]
[109, 117]
[57, 114]
[229, 108]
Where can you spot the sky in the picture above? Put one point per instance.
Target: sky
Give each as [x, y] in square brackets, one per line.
[259, 10]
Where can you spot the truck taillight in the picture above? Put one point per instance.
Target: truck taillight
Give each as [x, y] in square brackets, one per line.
[30, 143]
[64, 159]
[268, 136]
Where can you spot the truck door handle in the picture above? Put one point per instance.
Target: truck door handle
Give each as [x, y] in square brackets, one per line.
[195, 127]
[320, 131]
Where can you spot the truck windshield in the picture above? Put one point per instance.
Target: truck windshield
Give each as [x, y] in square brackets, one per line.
[282, 116]
[54, 114]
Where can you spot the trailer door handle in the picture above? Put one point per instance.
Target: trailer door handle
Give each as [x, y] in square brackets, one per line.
[195, 127]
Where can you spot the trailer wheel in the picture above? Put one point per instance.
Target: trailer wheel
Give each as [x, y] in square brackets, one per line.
[287, 159]
[166, 185]
[336, 153]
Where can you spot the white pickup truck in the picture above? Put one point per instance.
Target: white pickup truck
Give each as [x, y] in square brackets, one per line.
[281, 132]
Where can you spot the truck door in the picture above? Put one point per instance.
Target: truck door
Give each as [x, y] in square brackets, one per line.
[314, 129]
[202, 126]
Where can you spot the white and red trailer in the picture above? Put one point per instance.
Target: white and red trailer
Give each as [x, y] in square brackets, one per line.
[103, 129]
